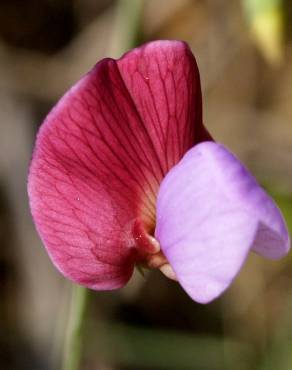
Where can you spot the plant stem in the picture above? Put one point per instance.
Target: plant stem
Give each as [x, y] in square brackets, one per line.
[73, 340]
[127, 27]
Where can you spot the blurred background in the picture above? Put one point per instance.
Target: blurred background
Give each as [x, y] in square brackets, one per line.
[244, 53]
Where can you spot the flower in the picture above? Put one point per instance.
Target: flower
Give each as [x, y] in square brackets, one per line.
[124, 173]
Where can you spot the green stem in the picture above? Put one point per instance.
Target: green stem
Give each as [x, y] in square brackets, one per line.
[73, 340]
[126, 34]
[126, 27]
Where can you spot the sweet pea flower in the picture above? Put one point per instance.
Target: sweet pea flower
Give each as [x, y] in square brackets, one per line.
[124, 174]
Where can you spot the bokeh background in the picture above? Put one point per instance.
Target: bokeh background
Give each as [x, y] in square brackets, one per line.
[244, 52]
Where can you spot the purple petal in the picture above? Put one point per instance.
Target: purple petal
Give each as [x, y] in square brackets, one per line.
[210, 213]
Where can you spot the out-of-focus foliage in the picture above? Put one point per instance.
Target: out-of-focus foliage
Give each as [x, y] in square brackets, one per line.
[265, 19]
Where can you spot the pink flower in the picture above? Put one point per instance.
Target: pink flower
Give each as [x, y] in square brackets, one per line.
[124, 173]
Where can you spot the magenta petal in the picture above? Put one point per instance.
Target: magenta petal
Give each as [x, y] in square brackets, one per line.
[210, 213]
[101, 154]
[162, 78]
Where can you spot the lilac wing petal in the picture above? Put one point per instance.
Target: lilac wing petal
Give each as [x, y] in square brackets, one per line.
[210, 213]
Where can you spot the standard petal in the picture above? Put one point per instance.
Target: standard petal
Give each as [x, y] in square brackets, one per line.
[100, 157]
[210, 213]
[163, 80]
